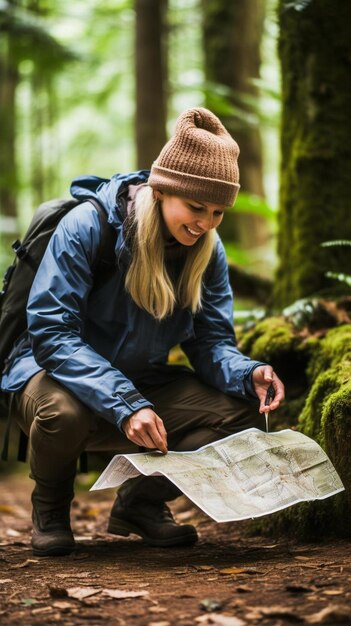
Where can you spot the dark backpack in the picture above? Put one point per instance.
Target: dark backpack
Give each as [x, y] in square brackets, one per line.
[19, 276]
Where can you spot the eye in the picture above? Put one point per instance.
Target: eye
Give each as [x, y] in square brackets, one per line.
[218, 213]
[196, 209]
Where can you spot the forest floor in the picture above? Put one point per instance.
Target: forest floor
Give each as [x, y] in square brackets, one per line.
[228, 578]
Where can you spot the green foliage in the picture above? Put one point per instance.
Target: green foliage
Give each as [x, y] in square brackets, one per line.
[30, 39]
[339, 276]
[250, 203]
[297, 5]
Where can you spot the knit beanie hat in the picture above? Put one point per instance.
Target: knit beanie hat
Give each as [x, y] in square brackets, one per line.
[199, 162]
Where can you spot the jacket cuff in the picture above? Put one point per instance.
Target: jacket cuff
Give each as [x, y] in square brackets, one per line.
[248, 383]
[131, 401]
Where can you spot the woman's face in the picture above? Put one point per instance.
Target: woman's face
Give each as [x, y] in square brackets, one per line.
[187, 220]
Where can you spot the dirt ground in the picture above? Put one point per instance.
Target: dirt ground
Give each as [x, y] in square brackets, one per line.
[227, 579]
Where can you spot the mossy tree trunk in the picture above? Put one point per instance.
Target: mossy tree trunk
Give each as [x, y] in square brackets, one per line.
[232, 36]
[151, 66]
[315, 54]
[317, 374]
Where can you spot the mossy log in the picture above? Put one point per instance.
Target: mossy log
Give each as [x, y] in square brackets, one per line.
[319, 405]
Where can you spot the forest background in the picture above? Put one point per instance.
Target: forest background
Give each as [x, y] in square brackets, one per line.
[95, 87]
[91, 87]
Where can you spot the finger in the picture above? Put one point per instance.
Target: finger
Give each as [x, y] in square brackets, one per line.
[135, 439]
[148, 441]
[159, 439]
[268, 373]
[162, 431]
[148, 436]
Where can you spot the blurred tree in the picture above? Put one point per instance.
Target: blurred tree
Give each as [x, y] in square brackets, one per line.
[25, 42]
[151, 76]
[315, 202]
[9, 79]
[232, 34]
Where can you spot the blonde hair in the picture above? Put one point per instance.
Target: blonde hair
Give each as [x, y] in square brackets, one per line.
[147, 280]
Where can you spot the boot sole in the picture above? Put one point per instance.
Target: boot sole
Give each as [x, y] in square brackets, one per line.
[54, 551]
[118, 527]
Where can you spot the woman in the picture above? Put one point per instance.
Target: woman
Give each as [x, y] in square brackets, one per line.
[92, 373]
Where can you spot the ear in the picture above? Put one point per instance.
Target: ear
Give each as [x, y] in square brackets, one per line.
[158, 195]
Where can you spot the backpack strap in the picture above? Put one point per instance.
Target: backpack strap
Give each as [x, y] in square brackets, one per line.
[106, 258]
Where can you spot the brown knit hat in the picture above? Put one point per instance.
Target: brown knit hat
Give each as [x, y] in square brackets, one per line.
[200, 161]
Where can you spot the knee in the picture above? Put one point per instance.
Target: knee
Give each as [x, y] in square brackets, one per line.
[245, 416]
[64, 416]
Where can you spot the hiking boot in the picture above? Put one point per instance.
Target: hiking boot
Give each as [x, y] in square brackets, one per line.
[153, 521]
[140, 509]
[52, 534]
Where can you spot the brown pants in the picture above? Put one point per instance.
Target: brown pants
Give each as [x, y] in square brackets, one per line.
[60, 426]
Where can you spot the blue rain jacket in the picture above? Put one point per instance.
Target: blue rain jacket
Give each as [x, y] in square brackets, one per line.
[96, 341]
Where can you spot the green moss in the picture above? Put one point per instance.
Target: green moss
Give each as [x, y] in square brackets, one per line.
[329, 373]
[326, 417]
[336, 429]
[334, 348]
[269, 339]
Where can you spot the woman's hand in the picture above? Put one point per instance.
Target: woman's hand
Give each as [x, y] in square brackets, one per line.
[262, 377]
[146, 429]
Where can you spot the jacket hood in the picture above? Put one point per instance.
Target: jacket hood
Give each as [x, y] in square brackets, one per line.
[107, 191]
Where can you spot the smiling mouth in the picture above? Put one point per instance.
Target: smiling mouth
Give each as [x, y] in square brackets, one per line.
[193, 233]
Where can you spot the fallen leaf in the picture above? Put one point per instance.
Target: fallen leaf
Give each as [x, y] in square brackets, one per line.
[43, 609]
[121, 594]
[253, 615]
[11, 532]
[303, 558]
[337, 614]
[62, 605]
[157, 609]
[232, 570]
[333, 592]
[159, 623]
[215, 619]
[29, 601]
[5, 580]
[6, 508]
[25, 563]
[210, 604]
[80, 593]
[243, 589]
[239, 570]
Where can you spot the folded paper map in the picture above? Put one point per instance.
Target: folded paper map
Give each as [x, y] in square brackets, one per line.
[245, 475]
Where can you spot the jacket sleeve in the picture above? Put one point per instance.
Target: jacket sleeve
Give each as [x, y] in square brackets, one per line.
[56, 310]
[212, 351]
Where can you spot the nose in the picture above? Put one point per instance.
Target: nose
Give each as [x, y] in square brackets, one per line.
[206, 222]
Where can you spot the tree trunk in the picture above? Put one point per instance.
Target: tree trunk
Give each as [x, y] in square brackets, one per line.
[150, 80]
[232, 35]
[315, 202]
